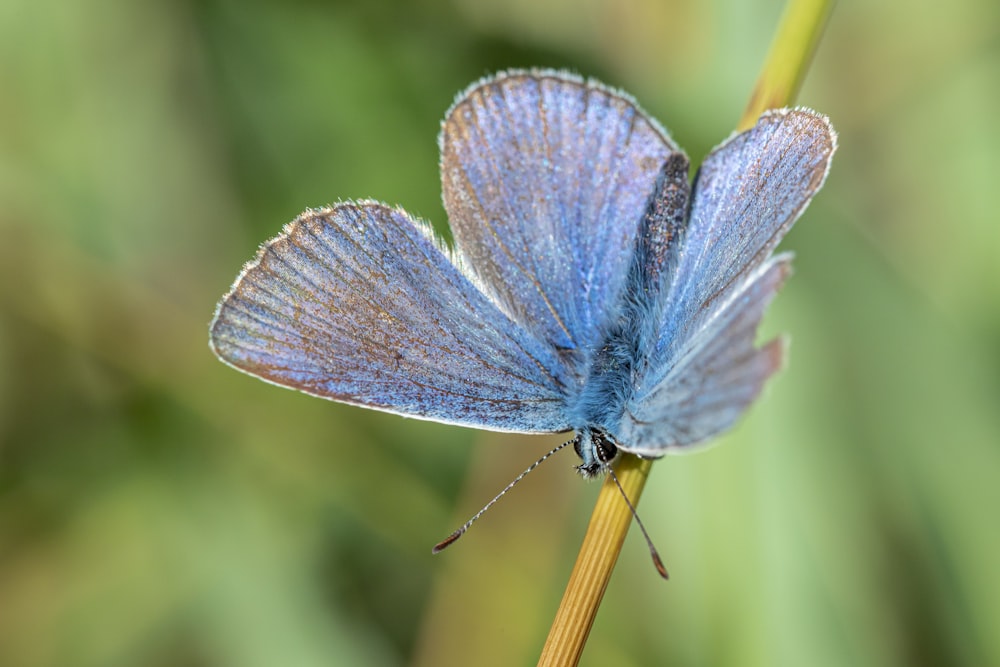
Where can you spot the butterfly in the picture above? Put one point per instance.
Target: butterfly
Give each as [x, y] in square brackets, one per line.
[590, 287]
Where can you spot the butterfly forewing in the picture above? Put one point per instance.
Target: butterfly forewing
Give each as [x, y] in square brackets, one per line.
[546, 178]
[359, 304]
[748, 193]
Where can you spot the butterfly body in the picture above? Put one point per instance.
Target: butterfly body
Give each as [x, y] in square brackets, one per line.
[630, 330]
[591, 286]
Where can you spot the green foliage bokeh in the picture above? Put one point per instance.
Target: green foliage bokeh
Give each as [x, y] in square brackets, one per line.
[158, 508]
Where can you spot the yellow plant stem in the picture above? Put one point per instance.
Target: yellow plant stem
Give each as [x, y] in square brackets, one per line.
[608, 525]
[784, 69]
[788, 59]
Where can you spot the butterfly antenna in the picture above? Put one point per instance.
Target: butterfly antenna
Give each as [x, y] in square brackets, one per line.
[451, 539]
[657, 561]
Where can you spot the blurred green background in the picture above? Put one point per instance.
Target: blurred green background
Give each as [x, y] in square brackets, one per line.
[158, 508]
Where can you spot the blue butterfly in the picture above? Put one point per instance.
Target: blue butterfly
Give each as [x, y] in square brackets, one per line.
[591, 286]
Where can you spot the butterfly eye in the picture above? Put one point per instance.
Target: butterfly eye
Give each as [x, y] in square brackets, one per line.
[596, 449]
[605, 447]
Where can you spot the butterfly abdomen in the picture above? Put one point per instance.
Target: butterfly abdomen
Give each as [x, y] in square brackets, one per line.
[611, 379]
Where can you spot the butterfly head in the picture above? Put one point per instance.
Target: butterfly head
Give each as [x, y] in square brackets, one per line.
[596, 449]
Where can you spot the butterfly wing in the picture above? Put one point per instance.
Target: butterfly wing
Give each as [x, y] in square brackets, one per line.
[712, 382]
[545, 180]
[360, 304]
[705, 370]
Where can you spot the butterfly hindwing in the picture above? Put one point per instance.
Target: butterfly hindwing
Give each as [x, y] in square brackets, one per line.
[711, 383]
[747, 194]
[704, 369]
